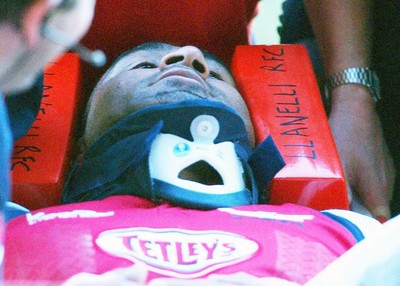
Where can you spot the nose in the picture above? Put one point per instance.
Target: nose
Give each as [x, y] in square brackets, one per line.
[189, 56]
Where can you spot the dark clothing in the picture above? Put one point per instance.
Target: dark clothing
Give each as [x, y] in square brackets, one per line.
[17, 113]
[386, 61]
[23, 109]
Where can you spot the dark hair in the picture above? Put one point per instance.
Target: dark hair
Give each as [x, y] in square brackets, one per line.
[11, 10]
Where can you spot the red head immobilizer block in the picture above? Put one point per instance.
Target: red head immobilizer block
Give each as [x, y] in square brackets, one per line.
[280, 89]
[39, 162]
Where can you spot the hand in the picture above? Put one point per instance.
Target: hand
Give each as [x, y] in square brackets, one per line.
[367, 164]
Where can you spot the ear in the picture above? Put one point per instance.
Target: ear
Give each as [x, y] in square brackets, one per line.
[32, 19]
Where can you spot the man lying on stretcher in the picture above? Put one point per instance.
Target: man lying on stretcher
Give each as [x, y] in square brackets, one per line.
[169, 183]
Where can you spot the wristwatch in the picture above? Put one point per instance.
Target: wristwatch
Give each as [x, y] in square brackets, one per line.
[364, 76]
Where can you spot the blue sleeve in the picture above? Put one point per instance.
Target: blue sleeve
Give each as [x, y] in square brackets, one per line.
[5, 154]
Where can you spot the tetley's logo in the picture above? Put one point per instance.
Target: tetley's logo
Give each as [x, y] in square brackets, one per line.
[177, 252]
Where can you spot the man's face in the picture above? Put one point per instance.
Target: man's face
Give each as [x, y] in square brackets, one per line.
[24, 52]
[157, 74]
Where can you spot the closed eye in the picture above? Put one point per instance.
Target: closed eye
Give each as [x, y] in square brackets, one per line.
[215, 75]
[144, 65]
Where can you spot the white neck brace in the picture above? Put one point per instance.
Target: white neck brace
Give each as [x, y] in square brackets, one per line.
[170, 154]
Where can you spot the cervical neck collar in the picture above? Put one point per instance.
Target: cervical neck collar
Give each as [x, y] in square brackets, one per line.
[132, 157]
[170, 155]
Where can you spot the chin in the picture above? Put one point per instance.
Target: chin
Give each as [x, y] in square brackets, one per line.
[180, 95]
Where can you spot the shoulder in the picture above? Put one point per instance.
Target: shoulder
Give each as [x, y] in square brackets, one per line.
[364, 225]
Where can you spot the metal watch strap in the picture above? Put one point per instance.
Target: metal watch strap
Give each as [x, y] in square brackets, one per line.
[364, 76]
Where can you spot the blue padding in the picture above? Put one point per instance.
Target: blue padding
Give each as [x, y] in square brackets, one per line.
[117, 163]
[266, 161]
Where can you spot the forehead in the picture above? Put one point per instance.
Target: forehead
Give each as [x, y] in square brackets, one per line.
[153, 53]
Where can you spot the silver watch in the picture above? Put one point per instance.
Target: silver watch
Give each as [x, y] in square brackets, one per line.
[364, 76]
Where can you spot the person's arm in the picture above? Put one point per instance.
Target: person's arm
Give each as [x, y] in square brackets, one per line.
[373, 261]
[343, 31]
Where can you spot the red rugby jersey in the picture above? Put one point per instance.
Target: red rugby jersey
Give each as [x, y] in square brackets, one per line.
[288, 241]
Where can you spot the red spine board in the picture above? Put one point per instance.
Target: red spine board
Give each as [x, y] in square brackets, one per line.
[40, 158]
[281, 91]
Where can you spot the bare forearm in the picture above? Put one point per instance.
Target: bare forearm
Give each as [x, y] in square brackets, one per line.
[343, 31]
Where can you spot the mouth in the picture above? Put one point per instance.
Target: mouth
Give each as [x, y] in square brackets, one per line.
[185, 73]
